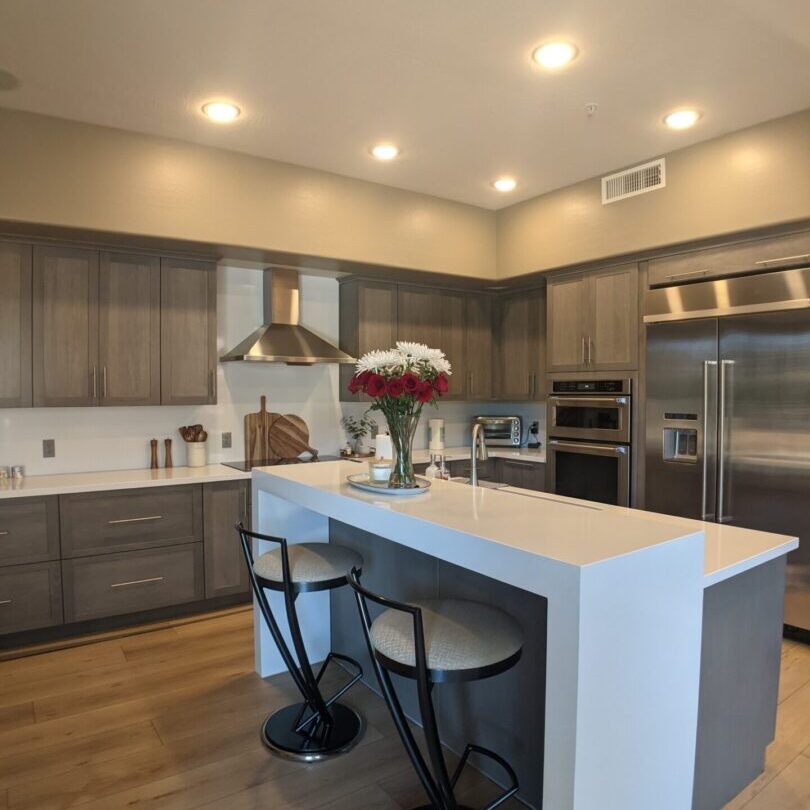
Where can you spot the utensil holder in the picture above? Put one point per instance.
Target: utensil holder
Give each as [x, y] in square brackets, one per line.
[196, 454]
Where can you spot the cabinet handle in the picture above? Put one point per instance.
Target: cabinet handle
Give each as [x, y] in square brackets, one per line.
[104, 382]
[3, 533]
[784, 259]
[211, 383]
[6, 601]
[523, 464]
[686, 275]
[134, 520]
[137, 582]
[471, 383]
[590, 350]
[93, 383]
[584, 352]
[530, 385]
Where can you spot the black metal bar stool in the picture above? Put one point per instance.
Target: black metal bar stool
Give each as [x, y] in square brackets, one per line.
[438, 641]
[318, 727]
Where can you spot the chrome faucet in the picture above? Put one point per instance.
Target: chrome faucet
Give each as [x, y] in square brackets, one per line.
[478, 451]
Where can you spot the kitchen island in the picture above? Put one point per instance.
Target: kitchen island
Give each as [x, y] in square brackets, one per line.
[611, 705]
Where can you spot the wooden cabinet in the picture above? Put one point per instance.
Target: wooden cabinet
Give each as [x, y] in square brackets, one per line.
[129, 330]
[523, 474]
[30, 597]
[225, 503]
[65, 326]
[479, 346]
[593, 320]
[15, 325]
[368, 320]
[188, 332]
[753, 255]
[520, 327]
[29, 530]
[452, 341]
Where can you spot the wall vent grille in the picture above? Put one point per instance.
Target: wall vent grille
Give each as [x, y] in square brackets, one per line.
[631, 182]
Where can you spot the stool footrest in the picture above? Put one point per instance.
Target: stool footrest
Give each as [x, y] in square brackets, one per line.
[358, 674]
[485, 752]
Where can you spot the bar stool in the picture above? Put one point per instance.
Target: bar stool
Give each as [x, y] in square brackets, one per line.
[318, 727]
[438, 641]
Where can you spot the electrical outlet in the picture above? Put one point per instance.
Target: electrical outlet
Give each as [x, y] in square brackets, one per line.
[226, 440]
[48, 448]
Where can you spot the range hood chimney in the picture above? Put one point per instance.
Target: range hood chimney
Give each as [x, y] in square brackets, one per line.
[282, 339]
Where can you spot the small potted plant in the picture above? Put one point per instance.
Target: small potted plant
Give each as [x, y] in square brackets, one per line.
[358, 427]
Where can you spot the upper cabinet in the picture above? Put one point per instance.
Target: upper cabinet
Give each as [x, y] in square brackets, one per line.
[479, 346]
[188, 332]
[15, 325]
[593, 320]
[520, 328]
[65, 326]
[129, 330]
[368, 320]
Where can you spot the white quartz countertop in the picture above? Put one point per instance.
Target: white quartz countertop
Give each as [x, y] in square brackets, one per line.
[567, 530]
[538, 455]
[67, 483]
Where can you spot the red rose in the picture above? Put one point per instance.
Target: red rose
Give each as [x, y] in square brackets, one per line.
[410, 382]
[358, 381]
[375, 386]
[394, 387]
[425, 392]
[362, 377]
[441, 384]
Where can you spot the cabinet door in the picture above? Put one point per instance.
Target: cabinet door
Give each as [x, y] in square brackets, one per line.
[368, 320]
[225, 503]
[419, 315]
[613, 310]
[479, 347]
[537, 350]
[517, 335]
[452, 341]
[15, 325]
[523, 474]
[65, 326]
[30, 597]
[188, 332]
[567, 328]
[129, 329]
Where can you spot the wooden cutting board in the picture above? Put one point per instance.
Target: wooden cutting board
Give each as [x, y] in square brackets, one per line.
[289, 437]
[257, 434]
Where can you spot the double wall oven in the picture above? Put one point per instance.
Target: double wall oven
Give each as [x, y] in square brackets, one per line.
[589, 428]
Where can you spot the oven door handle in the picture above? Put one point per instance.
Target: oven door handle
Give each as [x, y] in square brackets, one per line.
[600, 449]
[585, 401]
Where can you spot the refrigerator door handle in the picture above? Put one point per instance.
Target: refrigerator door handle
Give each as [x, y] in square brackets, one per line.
[707, 366]
[721, 446]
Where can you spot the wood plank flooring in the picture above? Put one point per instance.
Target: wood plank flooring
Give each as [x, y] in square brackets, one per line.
[168, 720]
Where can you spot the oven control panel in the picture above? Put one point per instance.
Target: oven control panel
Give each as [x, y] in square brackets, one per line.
[590, 386]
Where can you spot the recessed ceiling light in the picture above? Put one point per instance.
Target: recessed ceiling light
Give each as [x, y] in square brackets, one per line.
[505, 184]
[385, 151]
[554, 55]
[682, 119]
[221, 111]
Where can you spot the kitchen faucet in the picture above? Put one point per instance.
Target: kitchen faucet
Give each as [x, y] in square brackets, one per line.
[478, 451]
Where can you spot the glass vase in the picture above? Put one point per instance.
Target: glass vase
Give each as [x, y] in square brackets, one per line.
[402, 429]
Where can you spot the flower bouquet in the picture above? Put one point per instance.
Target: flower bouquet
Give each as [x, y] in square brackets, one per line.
[401, 381]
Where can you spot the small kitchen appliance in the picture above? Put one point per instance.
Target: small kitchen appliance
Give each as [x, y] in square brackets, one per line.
[501, 431]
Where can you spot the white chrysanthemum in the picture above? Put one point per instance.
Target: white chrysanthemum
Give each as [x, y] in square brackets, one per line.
[441, 365]
[415, 351]
[378, 361]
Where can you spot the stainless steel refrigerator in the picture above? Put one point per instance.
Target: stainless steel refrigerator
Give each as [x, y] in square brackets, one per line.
[728, 410]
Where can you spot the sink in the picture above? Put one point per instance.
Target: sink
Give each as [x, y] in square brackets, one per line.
[481, 483]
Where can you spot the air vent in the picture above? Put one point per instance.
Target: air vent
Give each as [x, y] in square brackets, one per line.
[630, 182]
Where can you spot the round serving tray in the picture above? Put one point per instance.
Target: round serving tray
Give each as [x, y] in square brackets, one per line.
[361, 481]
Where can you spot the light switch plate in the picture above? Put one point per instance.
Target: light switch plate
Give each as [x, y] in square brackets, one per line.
[48, 448]
[226, 440]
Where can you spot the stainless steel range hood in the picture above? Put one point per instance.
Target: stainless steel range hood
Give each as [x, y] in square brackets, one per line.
[282, 339]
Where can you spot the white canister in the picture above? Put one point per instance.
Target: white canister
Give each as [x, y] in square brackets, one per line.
[436, 434]
[379, 469]
[196, 454]
[383, 446]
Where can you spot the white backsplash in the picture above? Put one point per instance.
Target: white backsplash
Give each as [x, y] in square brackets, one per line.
[118, 438]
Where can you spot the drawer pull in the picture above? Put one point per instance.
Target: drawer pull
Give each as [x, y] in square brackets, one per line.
[134, 520]
[784, 259]
[3, 534]
[6, 601]
[690, 273]
[136, 582]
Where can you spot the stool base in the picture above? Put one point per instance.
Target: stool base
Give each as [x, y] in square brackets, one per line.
[279, 735]
[430, 807]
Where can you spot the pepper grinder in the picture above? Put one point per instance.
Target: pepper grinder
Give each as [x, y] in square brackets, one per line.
[168, 460]
[154, 463]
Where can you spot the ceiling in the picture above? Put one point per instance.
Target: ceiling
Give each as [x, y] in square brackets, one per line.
[450, 81]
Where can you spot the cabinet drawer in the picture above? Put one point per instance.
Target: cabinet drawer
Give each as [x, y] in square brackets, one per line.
[29, 530]
[523, 474]
[771, 253]
[30, 597]
[104, 522]
[112, 584]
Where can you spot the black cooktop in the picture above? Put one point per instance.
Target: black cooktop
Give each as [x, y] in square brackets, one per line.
[247, 466]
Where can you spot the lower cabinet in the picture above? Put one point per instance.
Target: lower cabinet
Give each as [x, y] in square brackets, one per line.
[225, 503]
[30, 596]
[523, 474]
[132, 581]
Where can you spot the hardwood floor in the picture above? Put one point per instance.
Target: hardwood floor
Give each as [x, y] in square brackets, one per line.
[169, 719]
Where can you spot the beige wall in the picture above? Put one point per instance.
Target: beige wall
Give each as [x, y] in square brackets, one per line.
[755, 177]
[60, 173]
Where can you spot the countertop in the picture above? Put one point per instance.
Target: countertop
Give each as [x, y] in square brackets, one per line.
[68, 483]
[567, 530]
[538, 456]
